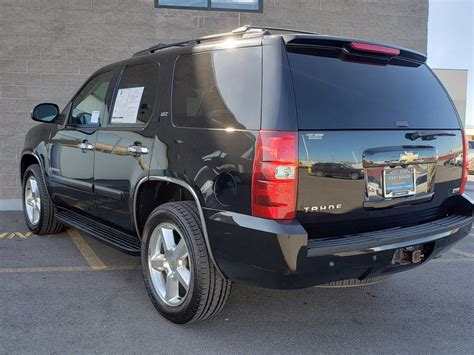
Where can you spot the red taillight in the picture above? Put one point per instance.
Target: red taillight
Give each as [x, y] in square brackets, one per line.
[465, 162]
[373, 48]
[275, 175]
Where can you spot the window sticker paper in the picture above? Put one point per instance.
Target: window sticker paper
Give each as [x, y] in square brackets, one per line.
[127, 105]
[95, 116]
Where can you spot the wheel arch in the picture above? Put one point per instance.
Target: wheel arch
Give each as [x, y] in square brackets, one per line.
[27, 159]
[176, 184]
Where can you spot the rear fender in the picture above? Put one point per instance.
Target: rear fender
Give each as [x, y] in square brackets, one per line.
[196, 197]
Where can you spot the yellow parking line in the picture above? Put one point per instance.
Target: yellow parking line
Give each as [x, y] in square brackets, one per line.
[92, 259]
[11, 235]
[23, 236]
[67, 269]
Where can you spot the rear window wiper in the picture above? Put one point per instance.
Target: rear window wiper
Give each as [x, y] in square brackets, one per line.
[427, 135]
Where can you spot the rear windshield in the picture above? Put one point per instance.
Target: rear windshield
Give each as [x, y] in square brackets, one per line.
[336, 94]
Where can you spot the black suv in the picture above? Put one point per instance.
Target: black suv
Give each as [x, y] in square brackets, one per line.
[199, 156]
[342, 170]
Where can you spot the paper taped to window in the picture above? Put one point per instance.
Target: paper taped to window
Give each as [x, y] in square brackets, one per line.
[127, 105]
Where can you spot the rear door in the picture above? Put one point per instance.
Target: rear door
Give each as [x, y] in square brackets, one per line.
[124, 146]
[387, 119]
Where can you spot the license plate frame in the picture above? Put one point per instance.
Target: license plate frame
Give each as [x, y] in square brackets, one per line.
[399, 182]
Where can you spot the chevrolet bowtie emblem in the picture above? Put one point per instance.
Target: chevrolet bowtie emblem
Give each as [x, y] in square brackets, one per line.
[409, 157]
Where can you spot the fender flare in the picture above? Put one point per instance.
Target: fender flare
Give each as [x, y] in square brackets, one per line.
[198, 203]
[38, 159]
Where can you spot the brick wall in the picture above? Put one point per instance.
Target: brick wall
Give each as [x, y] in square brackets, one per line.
[49, 47]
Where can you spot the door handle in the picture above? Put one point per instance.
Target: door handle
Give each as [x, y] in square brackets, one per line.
[85, 146]
[137, 149]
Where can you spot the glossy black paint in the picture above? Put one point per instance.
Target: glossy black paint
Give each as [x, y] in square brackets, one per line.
[214, 166]
[370, 152]
[278, 254]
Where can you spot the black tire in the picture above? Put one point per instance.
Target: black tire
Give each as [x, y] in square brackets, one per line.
[47, 223]
[355, 176]
[208, 291]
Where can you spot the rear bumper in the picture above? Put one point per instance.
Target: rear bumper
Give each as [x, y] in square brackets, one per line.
[279, 255]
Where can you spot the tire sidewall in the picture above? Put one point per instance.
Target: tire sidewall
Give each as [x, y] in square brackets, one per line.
[174, 313]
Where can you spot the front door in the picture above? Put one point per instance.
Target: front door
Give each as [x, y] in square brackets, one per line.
[72, 148]
[124, 146]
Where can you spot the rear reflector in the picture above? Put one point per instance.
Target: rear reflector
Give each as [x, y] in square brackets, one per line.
[465, 162]
[275, 175]
[373, 48]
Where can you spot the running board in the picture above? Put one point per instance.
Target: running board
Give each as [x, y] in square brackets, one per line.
[124, 242]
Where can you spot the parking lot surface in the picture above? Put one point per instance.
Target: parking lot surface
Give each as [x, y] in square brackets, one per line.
[70, 293]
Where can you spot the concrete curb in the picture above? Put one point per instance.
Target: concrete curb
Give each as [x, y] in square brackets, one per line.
[11, 205]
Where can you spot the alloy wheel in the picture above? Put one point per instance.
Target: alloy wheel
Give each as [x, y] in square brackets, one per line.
[169, 264]
[32, 200]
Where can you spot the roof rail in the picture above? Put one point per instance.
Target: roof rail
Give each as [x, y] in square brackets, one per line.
[237, 32]
[247, 28]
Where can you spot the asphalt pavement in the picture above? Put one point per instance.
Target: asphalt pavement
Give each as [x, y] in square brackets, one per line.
[68, 293]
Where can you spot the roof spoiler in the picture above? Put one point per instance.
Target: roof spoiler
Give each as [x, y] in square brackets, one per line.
[356, 47]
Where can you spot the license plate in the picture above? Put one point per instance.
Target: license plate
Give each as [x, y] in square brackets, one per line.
[399, 182]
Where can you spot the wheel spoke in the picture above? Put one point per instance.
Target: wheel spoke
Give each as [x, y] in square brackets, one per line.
[154, 247]
[29, 200]
[157, 262]
[34, 186]
[35, 214]
[29, 211]
[28, 186]
[172, 289]
[167, 239]
[181, 252]
[184, 276]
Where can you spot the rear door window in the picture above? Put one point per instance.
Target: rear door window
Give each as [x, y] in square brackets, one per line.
[136, 96]
[335, 94]
[219, 89]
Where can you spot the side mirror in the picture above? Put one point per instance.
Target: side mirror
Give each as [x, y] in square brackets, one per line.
[46, 113]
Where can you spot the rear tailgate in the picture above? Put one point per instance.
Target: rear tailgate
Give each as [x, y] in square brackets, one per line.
[380, 143]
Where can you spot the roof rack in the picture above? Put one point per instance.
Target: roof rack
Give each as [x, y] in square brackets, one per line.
[247, 28]
[237, 32]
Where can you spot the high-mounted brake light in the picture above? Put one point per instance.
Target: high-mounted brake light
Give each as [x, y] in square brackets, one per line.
[275, 175]
[373, 48]
[465, 162]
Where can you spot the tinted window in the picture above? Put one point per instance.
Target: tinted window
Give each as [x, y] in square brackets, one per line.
[89, 106]
[331, 93]
[236, 4]
[184, 3]
[246, 5]
[137, 93]
[220, 89]
[471, 144]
